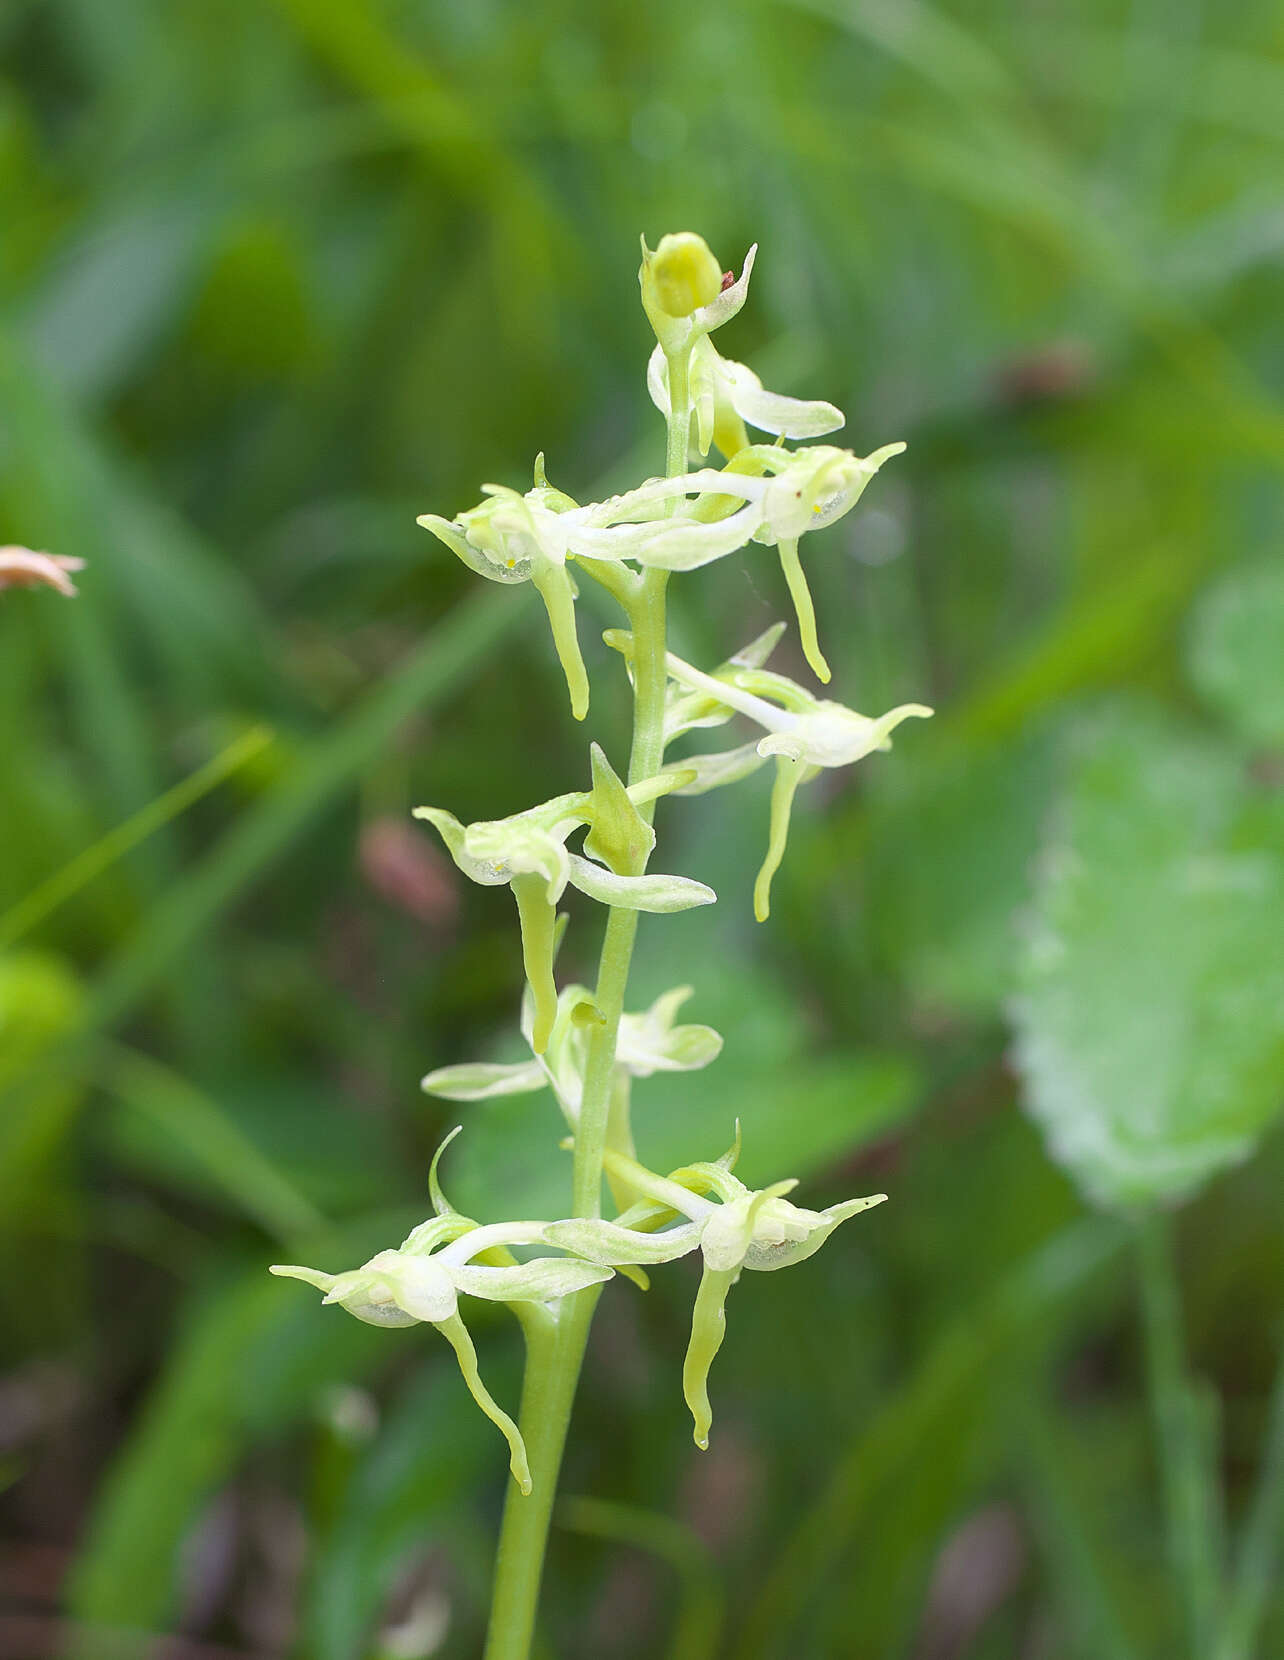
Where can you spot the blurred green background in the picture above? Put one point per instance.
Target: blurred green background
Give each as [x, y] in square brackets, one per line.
[277, 275]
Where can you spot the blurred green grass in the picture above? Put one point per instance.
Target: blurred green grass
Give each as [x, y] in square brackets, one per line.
[274, 278]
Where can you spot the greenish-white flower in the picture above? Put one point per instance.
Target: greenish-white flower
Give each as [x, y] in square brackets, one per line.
[641, 525]
[423, 1279]
[804, 733]
[647, 1043]
[528, 853]
[798, 491]
[514, 538]
[741, 1229]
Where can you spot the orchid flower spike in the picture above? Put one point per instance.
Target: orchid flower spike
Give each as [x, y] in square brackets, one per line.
[743, 1229]
[528, 853]
[726, 396]
[803, 732]
[422, 1279]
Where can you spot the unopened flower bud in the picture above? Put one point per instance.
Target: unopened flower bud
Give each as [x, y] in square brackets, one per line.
[683, 274]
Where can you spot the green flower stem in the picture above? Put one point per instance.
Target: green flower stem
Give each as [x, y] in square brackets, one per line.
[67, 882]
[619, 1138]
[1188, 1514]
[555, 1345]
[1259, 1550]
[646, 615]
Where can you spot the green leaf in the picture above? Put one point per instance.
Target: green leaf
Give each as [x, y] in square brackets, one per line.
[1150, 1020]
[254, 1357]
[40, 1001]
[214, 1141]
[951, 846]
[408, 1490]
[1236, 642]
[923, 1422]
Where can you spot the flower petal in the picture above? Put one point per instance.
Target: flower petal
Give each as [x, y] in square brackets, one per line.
[650, 1042]
[655, 893]
[724, 306]
[609, 1243]
[488, 872]
[677, 543]
[420, 1286]
[310, 1276]
[452, 534]
[484, 1080]
[830, 735]
[726, 766]
[771, 412]
[25, 568]
[767, 1258]
[542, 1280]
[367, 1297]
[650, 501]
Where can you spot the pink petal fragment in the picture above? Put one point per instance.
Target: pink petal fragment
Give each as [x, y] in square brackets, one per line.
[21, 568]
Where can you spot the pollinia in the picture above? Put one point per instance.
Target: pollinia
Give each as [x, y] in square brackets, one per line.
[585, 1048]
